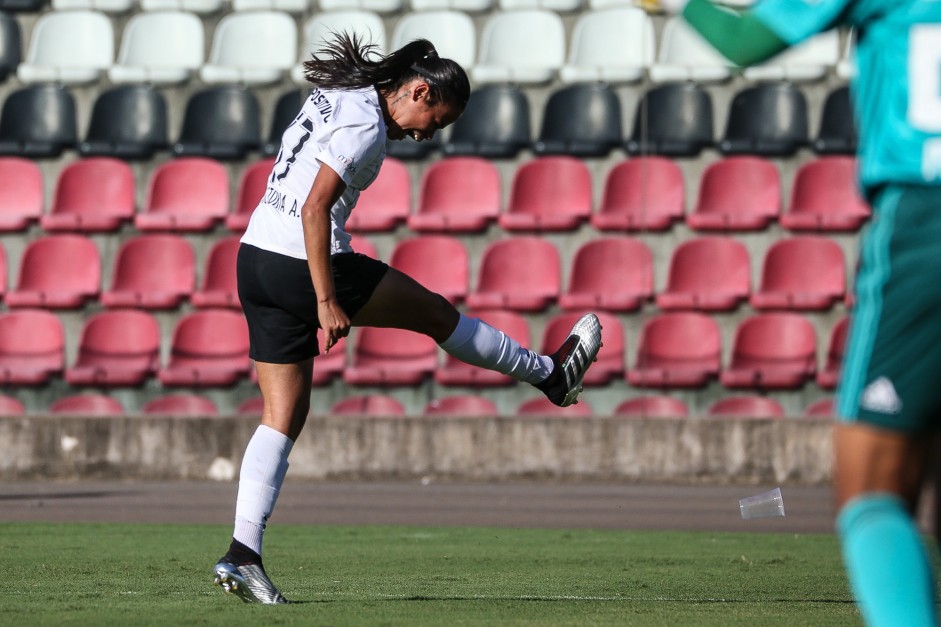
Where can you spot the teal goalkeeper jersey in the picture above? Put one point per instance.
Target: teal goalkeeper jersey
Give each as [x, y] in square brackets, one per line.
[897, 87]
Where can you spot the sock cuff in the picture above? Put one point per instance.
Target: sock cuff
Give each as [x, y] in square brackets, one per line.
[274, 440]
[463, 332]
[859, 508]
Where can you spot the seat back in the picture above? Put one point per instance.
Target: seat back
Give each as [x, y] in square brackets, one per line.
[38, 121]
[68, 47]
[776, 339]
[648, 190]
[806, 264]
[190, 186]
[378, 405]
[366, 24]
[461, 405]
[220, 272]
[87, 405]
[679, 338]
[96, 186]
[520, 265]
[252, 47]
[161, 48]
[673, 120]
[60, 263]
[837, 134]
[220, 122]
[461, 186]
[769, 119]
[208, 336]
[154, 263]
[581, 120]
[522, 46]
[614, 45]
[612, 265]
[652, 407]
[710, 265]
[552, 186]
[495, 124]
[21, 192]
[746, 407]
[453, 32]
[129, 122]
[439, 262]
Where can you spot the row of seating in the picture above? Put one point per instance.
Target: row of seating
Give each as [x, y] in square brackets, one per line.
[524, 273]
[674, 120]
[524, 46]
[209, 348]
[456, 195]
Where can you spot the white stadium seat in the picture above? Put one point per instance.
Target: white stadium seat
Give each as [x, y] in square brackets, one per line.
[468, 6]
[318, 29]
[525, 47]
[375, 6]
[685, 56]
[811, 60]
[610, 45]
[560, 6]
[452, 33]
[105, 6]
[163, 48]
[72, 47]
[202, 7]
[251, 48]
[288, 6]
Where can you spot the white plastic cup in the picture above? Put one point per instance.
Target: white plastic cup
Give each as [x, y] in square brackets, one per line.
[764, 505]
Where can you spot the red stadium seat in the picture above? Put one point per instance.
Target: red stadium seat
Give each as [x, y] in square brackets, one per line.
[521, 273]
[737, 194]
[772, 351]
[542, 406]
[801, 273]
[610, 363]
[32, 347]
[677, 350]
[458, 195]
[746, 407]
[10, 406]
[438, 262]
[209, 348]
[391, 357]
[363, 246]
[378, 405]
[643, 194]
[152, 271]
[707, 274]
[254, 406]
[824, 408]
[57, 272]
[611, 273]
[87, 405]
[386, 203]
[96, 194]
[219, 286]
[829, 376]
[187, 194]
[456, 372]
[826, 197]
[21, 193]
[181, 405]
[468, 405]
[117, 348]
[251, 190]
[652, 407]
[549, 194]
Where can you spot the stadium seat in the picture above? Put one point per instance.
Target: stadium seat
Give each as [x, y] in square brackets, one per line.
[824, 408]
[772, 351]
[826, 197]
[377, 405]
[542, 406]
[180, 405]
[93, 195]
[737, 194]
[68, 48]
[185, 195]
[559, 6]
[38, 121]
[286, 6]
[582, 120]
[363, 246]
[318, 30]
[252, 186]
[455, 372]
[613, 46]
[457, 195]
[87, 405]
[410, 150]
[57, 272]
[469, 6]
[220, 122]
[21, 193]
[219, 287]
[22, 6]
[328, 366]
[653, 406]
[32, 347]
[829, 375]
[439, 262]
[378, 6]
[152, 271]
[254, 406]
[386, 203]
[769, 119]
[746, 407]
[209, 348]
[461, 406]
[200, 7]
[548, 194]
[643, 194]
[390, 357]
[525, 47]
[801, 273]
[673, 120]
[677, 350]
[285, 111]
[809, 61]
[452, 32]
[707, 274]
[255, 48]
[685, 56]
[522, 273]
[127, 122]
[10, 406]
[164, 48]
[10, 45]
[495, 124]
[610, 361]
[609, 273]
[837, 133]
[116, 348]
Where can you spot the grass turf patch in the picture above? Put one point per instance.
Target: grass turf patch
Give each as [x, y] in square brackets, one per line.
[84, 574]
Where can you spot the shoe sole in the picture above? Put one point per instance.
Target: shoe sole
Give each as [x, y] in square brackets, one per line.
[587, 327]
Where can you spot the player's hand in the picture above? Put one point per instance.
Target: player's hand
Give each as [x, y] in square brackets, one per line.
[661, 6]
[333, 321]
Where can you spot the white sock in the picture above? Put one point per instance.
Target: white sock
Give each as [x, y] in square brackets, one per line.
[477, 343]
[263, 468]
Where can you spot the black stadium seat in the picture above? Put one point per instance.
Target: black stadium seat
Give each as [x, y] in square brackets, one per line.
[582, 120]
[285, 110]
[768, 119]
[10, 45]
[495, 124]
[837, 134]
[673, 120]
[38, 121]
[128, 122]
[220, 123]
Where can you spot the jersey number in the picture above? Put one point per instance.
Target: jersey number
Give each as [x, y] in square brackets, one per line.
[308, 127]
[924, 74]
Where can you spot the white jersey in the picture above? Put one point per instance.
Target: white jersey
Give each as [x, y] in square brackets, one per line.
[343, 129]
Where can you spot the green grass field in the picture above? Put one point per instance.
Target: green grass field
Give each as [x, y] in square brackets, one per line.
[81, 574]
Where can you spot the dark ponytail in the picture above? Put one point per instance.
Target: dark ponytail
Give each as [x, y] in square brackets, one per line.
[348, 63]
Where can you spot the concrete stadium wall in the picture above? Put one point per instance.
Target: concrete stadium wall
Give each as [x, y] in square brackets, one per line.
[488, 449]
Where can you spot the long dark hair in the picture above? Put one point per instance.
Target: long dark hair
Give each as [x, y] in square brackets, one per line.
[347, 62]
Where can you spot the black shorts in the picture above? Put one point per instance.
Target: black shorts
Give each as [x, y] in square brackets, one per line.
[279, 302]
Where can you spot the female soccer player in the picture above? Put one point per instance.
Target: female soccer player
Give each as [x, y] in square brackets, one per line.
[297, 272]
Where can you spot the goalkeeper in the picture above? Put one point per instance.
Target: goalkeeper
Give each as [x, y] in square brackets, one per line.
[888, 401]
